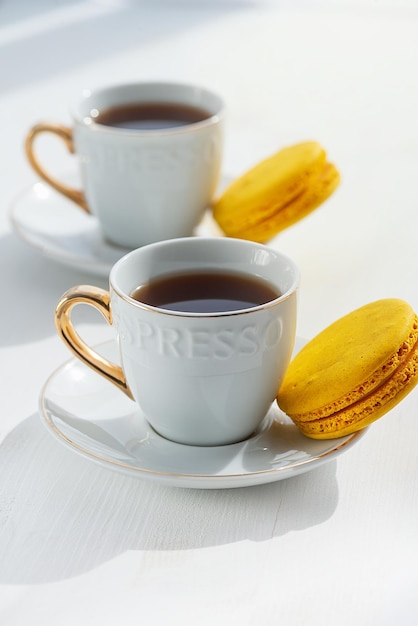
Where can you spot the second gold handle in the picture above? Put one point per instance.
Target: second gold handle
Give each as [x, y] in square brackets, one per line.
[99, 299]
[66, 135]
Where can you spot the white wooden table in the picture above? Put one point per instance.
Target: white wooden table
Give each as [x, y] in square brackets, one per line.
[83, 545]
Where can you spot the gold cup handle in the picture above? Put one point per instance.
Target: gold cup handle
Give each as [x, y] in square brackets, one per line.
[98, 299]
[66, 135]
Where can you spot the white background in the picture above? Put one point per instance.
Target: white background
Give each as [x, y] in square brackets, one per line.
[80, 545]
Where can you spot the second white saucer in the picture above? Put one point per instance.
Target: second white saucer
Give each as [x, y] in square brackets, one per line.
[93, 418]
[57, 228]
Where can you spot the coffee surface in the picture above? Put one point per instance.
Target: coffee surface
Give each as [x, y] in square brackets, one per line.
[151, 115]
[205, 292]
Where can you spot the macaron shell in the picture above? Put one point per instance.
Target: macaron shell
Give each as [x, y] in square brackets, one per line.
[271, 186]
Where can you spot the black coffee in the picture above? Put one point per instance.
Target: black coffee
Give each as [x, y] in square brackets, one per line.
[205, 292]
[151, 115]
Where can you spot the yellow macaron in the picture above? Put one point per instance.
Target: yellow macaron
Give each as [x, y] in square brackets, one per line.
[276, 193]
[354, 371]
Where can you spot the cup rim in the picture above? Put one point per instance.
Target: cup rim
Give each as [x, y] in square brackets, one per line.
[88, 122]
[187, 314]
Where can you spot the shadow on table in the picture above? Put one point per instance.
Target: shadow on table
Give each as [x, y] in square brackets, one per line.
[62, 515]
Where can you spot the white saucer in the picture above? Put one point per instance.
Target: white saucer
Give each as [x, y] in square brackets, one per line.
[60, 230]
[89, 415]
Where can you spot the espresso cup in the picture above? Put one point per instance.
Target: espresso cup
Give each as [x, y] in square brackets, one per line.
[149, 156]
[205, 376]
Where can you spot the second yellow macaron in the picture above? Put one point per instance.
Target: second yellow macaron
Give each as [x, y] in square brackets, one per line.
[276, 193]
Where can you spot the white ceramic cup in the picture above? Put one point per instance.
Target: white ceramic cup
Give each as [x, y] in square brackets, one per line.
[199, 378]
[142, 185]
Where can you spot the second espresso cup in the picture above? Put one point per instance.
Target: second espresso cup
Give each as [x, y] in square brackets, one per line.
[206, 329]
[149, 156]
